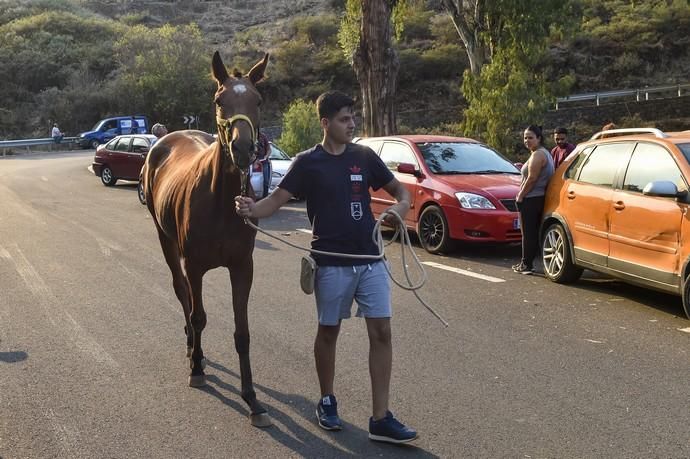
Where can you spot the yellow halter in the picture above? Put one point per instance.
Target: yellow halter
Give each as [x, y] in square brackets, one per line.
[225, 131]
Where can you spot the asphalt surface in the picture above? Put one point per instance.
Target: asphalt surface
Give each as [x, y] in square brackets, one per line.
[92, 348]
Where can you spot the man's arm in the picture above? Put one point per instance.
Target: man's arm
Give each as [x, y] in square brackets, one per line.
[400, 193]
[246, 207]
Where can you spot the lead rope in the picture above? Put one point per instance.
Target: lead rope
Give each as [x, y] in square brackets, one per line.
[377, 237]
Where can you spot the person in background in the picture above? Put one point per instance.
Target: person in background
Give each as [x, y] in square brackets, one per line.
[56, 134]
[263, 155]
[562, 148]
[159, 130]
[536, 173]
[334, 177]
[607, 127]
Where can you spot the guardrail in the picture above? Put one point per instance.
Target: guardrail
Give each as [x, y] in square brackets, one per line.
[8, 145]
[638, 93]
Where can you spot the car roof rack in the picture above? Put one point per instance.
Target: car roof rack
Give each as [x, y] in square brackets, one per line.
[629, 131]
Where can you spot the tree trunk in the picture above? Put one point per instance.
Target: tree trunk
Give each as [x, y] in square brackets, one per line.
[467, 17]
[376, 64]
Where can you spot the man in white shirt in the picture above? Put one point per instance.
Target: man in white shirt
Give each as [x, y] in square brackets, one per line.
[56, 134]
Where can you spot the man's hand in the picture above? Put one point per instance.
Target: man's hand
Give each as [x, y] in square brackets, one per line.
[244, 206]
[401, 209]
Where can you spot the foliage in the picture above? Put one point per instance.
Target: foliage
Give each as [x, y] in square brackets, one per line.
[507, 93]
[165, 73]
[301, 128]
[512, 89]
[348, 34]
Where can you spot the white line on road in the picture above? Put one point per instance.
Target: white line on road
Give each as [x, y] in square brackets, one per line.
[304, 230]
[58, 316]
[463, 272]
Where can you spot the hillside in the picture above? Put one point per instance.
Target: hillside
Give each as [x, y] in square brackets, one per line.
[219, 20]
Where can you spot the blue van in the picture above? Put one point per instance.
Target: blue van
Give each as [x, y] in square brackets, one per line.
[110, 128]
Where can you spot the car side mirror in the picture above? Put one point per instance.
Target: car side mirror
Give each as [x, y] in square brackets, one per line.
[407, 168]
[664, 189]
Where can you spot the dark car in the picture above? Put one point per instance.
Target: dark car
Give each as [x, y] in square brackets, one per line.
[461, 189]
[122, 158]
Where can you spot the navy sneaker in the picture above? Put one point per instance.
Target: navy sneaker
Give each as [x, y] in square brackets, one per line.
[327, 413]
[390, 430]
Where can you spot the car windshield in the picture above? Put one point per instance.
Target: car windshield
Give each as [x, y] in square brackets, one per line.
[464, 158]
[97, 125]
[685, 148]
[277, 153]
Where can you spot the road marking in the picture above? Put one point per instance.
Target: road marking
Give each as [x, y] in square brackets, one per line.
[686, 330]
[304, 230]
[463, 272]
[58, 317]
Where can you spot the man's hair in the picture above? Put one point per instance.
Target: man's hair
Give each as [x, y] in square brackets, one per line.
[329, 103]
[560, 130]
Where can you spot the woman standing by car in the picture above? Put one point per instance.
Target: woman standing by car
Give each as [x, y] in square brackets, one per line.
[536, 173]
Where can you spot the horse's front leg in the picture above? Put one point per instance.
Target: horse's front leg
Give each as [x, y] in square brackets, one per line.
[198, 322]
[241, 280]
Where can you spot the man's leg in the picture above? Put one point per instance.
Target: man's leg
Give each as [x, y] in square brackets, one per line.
[324, 355]
[380, 363]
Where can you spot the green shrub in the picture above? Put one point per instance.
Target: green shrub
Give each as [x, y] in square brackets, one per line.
[301, 128]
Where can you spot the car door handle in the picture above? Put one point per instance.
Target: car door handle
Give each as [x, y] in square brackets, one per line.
[619, 205]
[571, 195]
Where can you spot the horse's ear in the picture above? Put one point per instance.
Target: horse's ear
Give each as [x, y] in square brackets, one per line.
[256, 74]
[220, 73]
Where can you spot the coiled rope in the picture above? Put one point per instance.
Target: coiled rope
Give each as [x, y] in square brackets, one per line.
[377, 237]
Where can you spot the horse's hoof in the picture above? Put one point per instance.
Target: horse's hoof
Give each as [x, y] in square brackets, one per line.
[197, 381]
[189, 351]
[260, 420]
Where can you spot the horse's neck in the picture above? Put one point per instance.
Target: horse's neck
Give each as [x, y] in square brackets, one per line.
[226, 178]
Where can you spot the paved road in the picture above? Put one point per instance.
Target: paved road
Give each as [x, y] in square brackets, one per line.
[92, 349]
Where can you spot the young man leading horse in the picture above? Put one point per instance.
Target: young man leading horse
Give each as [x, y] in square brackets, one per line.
[334, 177]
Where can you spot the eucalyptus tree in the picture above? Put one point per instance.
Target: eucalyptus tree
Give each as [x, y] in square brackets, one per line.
[367, 38]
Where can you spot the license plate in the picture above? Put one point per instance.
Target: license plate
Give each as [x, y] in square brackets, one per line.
[516, 224]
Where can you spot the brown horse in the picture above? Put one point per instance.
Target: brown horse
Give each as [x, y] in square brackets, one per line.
[190, 181]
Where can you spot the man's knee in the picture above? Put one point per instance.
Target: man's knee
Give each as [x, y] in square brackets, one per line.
[327, 334]
[379, 330]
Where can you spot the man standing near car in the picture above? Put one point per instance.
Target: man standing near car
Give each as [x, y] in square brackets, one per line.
[562, 148]
[334, 177]
[263, 155]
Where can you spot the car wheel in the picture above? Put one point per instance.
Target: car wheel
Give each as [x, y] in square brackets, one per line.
[141, 194]
[558, 263]
[107, 176]
[433, 231]
[686, 296]
[94, 144]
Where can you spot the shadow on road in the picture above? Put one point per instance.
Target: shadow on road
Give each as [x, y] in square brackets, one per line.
[13, 356]
[663, 302]
[353, 440]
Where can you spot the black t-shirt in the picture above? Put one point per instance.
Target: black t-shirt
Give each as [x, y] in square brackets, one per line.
[336, 188]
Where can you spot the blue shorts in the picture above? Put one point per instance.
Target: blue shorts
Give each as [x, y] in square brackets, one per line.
[335, 287]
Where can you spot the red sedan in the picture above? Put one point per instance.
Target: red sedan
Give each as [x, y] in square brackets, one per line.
[460, 189]
[122, 158]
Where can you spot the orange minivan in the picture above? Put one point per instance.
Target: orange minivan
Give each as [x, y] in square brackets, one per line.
[618, 205]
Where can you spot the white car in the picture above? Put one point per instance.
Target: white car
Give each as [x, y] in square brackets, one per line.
[280, 163]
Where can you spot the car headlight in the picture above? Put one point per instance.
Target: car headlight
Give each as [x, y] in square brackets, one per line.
[473, 201]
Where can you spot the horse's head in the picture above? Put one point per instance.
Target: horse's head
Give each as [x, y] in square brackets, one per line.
[237, 110]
